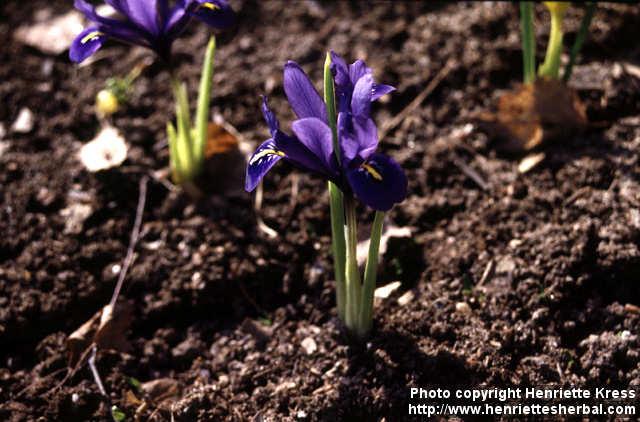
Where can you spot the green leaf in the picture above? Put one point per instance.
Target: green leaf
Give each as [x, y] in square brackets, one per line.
[370, 272]
[202, 112]
[528, 41]
[135, 383]
[580, 38]
[117, 414]
[184, 159]
[174, 160]
[338, 246]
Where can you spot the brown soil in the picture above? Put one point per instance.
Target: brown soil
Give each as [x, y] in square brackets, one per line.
[221, 310]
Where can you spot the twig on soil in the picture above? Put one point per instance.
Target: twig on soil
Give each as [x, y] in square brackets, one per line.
[94, 370]
[91, 350]
[262, 226]
[398, 118]
[488, 273]
[72, 373]
[135, 234]
[470, 172]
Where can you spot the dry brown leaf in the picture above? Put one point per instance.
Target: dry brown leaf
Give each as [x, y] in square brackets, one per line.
[219, 140]
[224, 164]
[112, 328]
[533, 114]
[130, 399]
[105, 328]
[161, 389]
[80, 339]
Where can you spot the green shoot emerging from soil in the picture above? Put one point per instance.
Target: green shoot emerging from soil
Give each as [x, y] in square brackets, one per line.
[187, 141]
[156, 25]
[550, 68]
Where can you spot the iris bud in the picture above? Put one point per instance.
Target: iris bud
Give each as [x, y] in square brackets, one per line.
[106, 102]
[557, 7]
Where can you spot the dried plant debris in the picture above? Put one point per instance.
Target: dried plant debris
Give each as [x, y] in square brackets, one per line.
[534, 114]
[106, 329]
[107, 150]
[50, 35]
[224, 163]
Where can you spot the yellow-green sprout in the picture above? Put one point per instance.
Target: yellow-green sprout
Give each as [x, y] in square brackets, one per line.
[551, 66]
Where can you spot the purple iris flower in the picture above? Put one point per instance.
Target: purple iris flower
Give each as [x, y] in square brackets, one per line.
[374, 178]
[150, 23]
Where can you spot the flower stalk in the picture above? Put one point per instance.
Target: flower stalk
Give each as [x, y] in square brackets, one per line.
[550, 68]
[336, 203]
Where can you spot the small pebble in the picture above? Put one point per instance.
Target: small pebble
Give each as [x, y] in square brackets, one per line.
[406, 298]
[385, 291]
[24, 122]
[463, 308]
[309, 345]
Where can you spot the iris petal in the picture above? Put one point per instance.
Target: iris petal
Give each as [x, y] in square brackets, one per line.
[361, 98]
[86, 43]
[265, 157]
[378, 182]
[144, 13]
[119, 29]
[215, 13]
[303, 97]
[270, 117]
[177, 20]
[381, 89]
[301, 156]
[316, 136]
[357, 70]
[340, 71]
[358, 137]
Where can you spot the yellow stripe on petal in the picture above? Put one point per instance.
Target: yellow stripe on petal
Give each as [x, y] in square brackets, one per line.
[373, 172]
[91, 36]
[210, 6]
[264, 153]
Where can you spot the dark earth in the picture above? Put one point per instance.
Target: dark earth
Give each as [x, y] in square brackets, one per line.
[508, 278]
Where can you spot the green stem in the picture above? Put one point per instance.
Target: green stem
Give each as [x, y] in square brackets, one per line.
[336, 199]
[202, 112]
[580, 38]
[370, 272]
[528, 41]
[551, 66]
[352, 274]
[338, 246]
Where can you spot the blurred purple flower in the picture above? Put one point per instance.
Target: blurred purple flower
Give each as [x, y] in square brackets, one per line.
[375, 179]
[149, 23]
